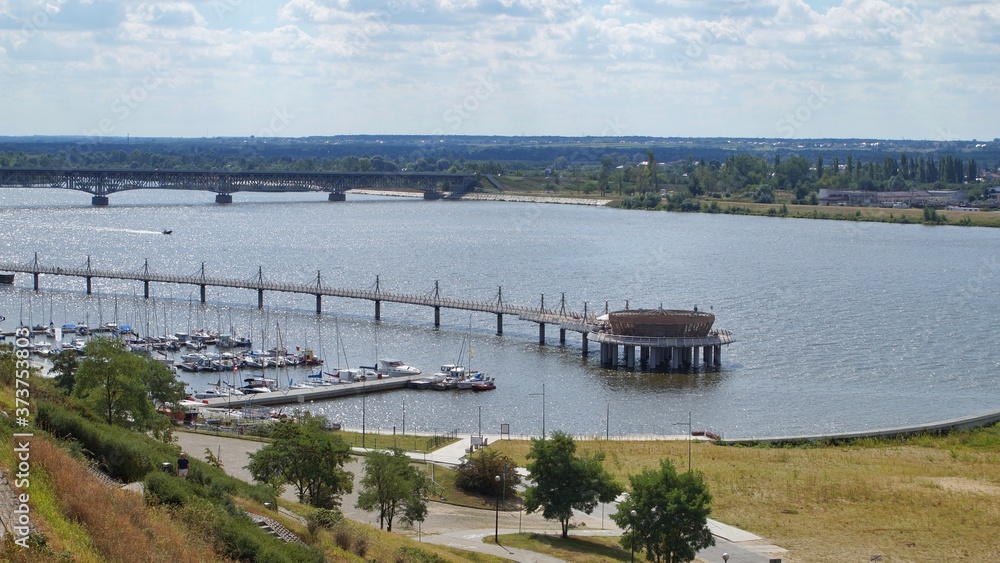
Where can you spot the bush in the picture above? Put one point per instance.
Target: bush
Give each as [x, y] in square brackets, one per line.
[416, 555]
[166, 489]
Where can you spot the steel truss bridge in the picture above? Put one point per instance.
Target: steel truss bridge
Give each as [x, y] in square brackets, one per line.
[102, 183]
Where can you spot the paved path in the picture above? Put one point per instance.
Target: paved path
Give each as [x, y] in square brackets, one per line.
[463, 527]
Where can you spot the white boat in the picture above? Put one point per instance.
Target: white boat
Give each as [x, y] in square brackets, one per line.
[259, 385]
[396, 368]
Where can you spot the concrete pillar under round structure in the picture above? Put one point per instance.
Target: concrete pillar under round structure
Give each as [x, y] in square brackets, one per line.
[562, 336]
[99, 200]
[717, 355]
[585, 344]
[695, 353]
[644, 355]
[378, 310]
[541, 334]
[708, 354]
[223, 198]
[319, 304]
[630, 357]
[499, 324]
[675, 357]
[337, 196]
[437, 317]
[614, 355]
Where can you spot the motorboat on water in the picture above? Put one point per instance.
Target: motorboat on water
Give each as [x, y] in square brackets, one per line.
[396, 368]
[259, 385]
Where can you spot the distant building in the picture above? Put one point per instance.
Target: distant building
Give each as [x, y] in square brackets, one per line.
[916, 198]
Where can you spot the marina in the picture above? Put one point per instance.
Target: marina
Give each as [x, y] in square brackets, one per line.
[831, 338]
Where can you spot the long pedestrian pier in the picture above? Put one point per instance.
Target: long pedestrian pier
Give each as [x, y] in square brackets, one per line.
[583, 323]
[681, 349]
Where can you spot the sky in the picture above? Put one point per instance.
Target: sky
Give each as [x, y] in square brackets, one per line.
[884, 69]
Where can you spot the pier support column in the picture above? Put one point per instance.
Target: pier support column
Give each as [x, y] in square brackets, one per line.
[675, 357]
[319, 304]
[499, 324]
[708, 354]
[695, 352]
[36, 281]
[260, 298]
[145, 289]
[644, 355]
[585, 344]
[630, 357]
[431, 195]
[437, 317]
[378, 310]
[562, 336]
[605, 355]
[337, 196]
[99, 200]
[223, 198]
[541, 334]
[89, 286]
[203, 294]
[717, 355]
[613, 349]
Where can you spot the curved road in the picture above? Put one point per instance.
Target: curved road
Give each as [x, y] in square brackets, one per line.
[464, 528]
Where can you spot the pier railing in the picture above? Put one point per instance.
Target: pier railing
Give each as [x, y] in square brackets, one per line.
[566, 319]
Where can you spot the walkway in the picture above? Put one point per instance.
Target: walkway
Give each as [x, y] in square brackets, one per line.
[464, 528]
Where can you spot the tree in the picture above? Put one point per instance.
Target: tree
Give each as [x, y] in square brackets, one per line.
[64, 365]
[564, 482]
[479, 472]
[671, 521]
[309, 457]
[394, 488]
[115, 382]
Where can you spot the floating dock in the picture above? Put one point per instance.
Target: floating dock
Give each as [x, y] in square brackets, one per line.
[301, 396]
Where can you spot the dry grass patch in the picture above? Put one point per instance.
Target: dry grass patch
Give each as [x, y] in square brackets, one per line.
[922, 500]
[121, 526]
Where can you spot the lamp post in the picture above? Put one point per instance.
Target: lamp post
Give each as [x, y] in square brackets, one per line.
[364, 379]
[632, 543]
[688, 424]
[543, 407]
[725, 557]
[496, 528]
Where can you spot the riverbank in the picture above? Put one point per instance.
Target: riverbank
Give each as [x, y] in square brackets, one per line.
[521, 191]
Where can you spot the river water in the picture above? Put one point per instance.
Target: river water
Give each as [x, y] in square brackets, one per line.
[841, 326]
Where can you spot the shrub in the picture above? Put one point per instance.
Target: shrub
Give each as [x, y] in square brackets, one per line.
[166, 489]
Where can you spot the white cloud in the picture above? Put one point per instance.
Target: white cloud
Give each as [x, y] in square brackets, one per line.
[394, 65]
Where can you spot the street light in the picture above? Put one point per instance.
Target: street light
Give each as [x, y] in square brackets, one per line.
[496, 529]
[632, 543]
[725, 557]
[543, 407]
[688, 423]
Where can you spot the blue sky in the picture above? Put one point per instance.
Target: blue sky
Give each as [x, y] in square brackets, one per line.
[898, 69]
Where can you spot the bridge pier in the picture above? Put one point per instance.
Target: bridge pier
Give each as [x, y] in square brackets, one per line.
[36, 281]
[260, 298]
[223, 198]
[99, 200]
[431, 195]
[437, 316]
[319, 304]
[88, 285]
[337, 196]
[644, 355]
[203, 293]
[378, 310]
[541, 334]
[630, 357]
[585, 344]
[562, 336]
[145, 289]
[499, 324]
[717, 355]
